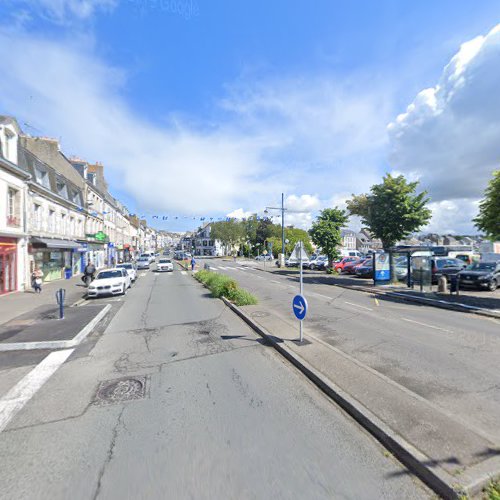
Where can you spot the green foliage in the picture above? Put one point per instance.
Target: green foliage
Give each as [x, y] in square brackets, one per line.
[228, 232]
[325, 231]
[223, 286]
[293, 235]
[493, 491]
[488, 219]
[392, 210]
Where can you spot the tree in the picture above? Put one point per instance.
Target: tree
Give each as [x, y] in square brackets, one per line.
[293, 235]
[488, 219]
[228, 232]
[392, 210]
[325, 231]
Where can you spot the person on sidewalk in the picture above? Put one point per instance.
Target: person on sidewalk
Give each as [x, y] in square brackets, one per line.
[88, 272]
[36, 280]
[193, 263]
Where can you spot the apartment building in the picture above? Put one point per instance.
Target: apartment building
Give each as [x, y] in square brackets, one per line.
[13, 237]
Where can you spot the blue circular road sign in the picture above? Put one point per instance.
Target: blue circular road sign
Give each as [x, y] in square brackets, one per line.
[299, 306]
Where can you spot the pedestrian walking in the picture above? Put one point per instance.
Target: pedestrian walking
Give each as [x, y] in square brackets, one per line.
[193, 263]
[36, 280]
[88, 273]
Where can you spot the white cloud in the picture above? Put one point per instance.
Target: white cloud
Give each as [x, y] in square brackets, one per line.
[239, 214]
[449, 137]
[452, 216]
[64, 11]
[274, 136]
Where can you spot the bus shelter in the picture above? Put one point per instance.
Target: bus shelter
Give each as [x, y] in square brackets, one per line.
[412, 266]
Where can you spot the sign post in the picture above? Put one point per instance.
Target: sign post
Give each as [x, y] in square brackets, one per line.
[299, 303]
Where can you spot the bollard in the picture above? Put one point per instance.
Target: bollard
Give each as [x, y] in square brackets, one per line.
[442, 284]
[60, 295]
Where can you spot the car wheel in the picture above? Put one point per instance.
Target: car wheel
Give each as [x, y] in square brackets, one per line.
[124, 289]
[492, 286]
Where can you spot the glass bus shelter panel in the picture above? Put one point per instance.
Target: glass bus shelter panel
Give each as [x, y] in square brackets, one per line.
[421, 271]
[399, 268]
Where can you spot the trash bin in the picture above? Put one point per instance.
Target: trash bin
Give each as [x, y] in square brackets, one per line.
[68, 273]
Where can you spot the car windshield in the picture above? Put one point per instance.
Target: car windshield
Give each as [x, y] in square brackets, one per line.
[482, 266]
[164, 261]
[109, 274]
[124, 266]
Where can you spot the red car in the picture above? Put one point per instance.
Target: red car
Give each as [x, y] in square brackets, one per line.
[350, 267]
[339, 266]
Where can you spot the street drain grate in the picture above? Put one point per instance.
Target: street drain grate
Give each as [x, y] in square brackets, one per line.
[121, 390]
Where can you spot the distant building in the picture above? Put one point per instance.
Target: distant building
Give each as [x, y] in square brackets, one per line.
[205, 245]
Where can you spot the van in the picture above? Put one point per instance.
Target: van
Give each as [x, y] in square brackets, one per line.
[148, 255]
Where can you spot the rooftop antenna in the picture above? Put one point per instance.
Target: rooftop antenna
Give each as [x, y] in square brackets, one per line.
[27, 125]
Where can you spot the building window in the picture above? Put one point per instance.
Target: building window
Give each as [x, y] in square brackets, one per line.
[37, 216]
[62, 189]
[52, 221]
[71, 226]
[76, 197]
[42, 177]
[64, 222]
[13, 219]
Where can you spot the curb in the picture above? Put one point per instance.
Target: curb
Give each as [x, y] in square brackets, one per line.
[58, 344]
[442, 304]
[440, 481]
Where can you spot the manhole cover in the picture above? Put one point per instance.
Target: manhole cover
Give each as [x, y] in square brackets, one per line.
[259, 314]
[121, 390]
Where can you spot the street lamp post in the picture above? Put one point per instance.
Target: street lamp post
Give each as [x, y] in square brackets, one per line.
[282, 209]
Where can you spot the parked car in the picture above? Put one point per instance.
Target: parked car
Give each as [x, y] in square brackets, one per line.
[365, 270]
[339, 266]
[148, 255]
[164, 265]
[109, 282]
[481, 275]
[447, 267]
[264, 257]
[130, 268]
[350, 268]
[320, 262]
[143, 263]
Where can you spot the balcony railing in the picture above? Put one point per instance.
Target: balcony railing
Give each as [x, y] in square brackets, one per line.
[13, 221]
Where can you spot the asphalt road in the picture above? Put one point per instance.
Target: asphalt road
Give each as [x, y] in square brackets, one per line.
[447, 357]
[222, 416]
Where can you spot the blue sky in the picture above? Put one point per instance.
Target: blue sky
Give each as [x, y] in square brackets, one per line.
[201, 108]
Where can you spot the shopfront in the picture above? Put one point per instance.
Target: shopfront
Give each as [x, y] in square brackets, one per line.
[8, 265]
[53, 257]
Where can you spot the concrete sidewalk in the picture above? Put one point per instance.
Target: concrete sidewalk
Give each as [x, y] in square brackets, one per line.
[437, 445]
[479, 302]
[20, 303]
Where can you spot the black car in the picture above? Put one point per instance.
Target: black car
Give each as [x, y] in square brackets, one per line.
[481, 275]
[447, 267]
[365, 270]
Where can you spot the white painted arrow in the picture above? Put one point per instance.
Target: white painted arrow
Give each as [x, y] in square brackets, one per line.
[300, 307]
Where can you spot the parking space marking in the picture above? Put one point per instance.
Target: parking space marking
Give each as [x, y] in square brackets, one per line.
[26, 388]
[426, 325]
[357, 305]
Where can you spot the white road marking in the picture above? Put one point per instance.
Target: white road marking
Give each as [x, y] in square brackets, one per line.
[426, 325]
[183, 272]
[275, 281]
[26, 388]
[357, 305]
[320, 295]
[142, 275]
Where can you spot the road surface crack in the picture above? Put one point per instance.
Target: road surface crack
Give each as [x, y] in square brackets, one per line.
[111, 452]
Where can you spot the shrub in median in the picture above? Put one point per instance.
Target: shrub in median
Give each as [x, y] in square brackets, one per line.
[222, 285]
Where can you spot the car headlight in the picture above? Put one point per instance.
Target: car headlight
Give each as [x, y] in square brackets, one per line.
[486, 277]
[92, 287]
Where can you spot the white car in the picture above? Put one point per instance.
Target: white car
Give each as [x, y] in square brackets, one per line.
[109, 282]
[130, 270]
[143, 263]
[164, 265]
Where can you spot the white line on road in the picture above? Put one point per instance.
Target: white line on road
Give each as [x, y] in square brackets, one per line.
[426, 325]
[183, 273]
[275, 281]
[320, 295]
[357, 305]
[142, 275]
[26, 388]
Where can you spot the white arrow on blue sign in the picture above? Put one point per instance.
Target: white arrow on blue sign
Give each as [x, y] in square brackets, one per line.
[299, 306]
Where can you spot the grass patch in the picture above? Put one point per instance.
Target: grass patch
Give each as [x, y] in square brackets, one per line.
[493, 491]
[222, 285]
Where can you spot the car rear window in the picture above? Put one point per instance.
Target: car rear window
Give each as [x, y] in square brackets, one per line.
[109, 274]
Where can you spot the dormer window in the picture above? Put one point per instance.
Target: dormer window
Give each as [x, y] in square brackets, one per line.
[42, 177]
[62, 189]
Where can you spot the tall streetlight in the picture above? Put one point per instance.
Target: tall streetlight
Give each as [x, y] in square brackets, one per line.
[282, 209]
